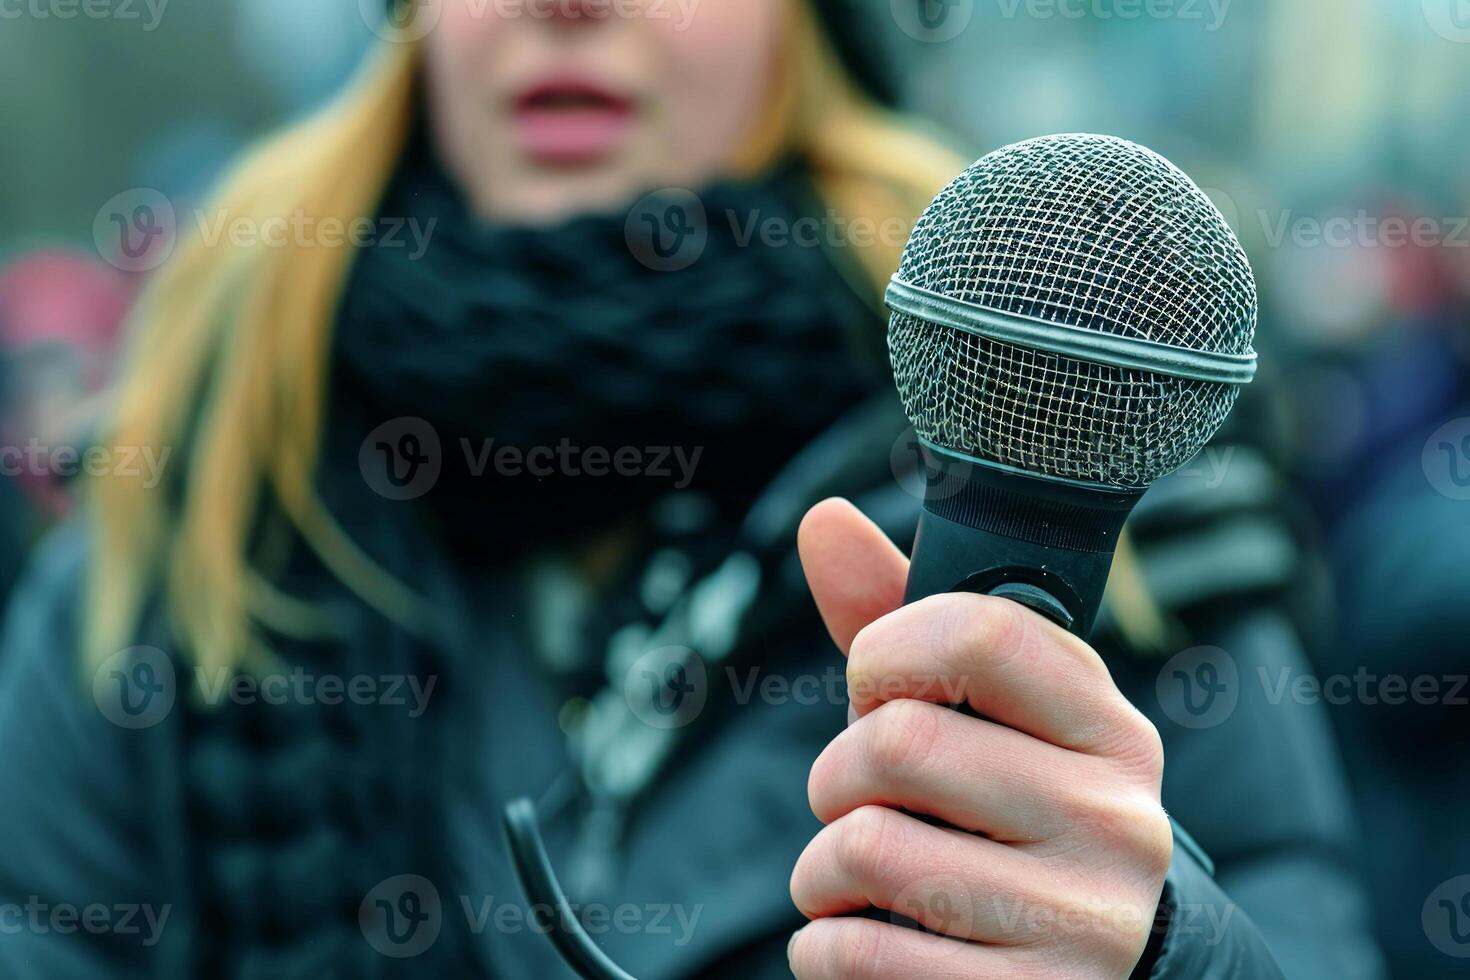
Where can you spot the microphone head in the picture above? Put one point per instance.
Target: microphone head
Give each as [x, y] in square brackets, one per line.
[1075, 308]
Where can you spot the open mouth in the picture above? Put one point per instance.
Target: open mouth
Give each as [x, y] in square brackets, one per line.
[570, 121]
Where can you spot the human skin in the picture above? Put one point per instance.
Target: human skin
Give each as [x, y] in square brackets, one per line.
[1053, 847]
[633, 97]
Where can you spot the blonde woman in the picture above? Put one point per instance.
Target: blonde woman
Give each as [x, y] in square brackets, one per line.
[497, 496]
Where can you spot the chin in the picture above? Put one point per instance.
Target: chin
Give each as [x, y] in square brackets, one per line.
[548, 198]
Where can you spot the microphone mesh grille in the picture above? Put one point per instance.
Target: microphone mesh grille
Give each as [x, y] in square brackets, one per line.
[1093, 232]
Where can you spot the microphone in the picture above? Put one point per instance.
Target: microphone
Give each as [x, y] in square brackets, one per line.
[1072, 320]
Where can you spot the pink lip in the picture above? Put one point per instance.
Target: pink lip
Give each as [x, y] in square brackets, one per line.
[569, 121]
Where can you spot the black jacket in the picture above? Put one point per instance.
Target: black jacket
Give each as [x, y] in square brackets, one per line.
[293, 840]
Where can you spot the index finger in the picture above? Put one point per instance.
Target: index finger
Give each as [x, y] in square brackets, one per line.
[1006, 662]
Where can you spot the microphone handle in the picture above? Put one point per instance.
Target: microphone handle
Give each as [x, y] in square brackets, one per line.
[1043, 543]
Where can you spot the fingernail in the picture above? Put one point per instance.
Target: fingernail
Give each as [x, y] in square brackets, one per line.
[790, 944]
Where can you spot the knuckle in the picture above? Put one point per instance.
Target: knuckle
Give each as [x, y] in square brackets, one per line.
[1005, 625]
[865, 842]
[996, 628]
[900, 734]
[825, 780]
[796, 887]
[1107, 818]
[865, 646]
[801, 885]
[1141, 749]
[1153, 752]
[1135, 826]
[951, 621]
[1155, 842]
[962, 630]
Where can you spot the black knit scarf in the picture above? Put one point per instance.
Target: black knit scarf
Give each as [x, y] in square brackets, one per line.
[571, 377]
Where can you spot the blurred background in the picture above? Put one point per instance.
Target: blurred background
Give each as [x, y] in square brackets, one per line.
[1333, 134]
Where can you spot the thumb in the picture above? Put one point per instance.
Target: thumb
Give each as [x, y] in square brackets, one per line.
[855, 573]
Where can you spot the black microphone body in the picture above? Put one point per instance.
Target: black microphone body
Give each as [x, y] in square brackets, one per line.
[1046, 544]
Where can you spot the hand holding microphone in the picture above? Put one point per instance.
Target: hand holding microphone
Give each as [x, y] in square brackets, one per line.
[1059, 844]
[1072, 320]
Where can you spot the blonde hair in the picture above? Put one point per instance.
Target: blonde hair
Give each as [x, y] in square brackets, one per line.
[231, 346]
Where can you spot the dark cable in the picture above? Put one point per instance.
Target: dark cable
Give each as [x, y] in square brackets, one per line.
[550, 908]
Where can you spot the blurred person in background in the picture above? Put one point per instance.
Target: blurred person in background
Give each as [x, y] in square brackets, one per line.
[1400, 688]
[1395, 411]
[325, 516]
[60, 313]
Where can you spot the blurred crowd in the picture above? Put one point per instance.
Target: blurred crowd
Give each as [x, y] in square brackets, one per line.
[1331, 133]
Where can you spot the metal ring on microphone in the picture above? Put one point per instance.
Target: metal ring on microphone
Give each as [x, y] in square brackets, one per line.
[1069, 341]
